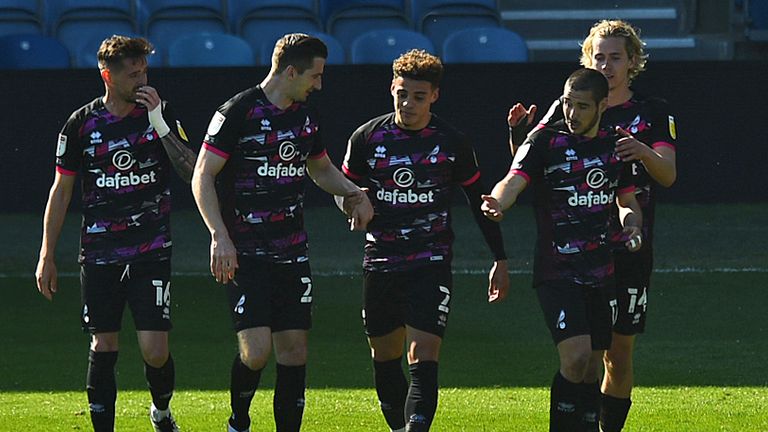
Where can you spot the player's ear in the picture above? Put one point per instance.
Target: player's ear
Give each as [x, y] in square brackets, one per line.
[603, 105]
[106, 75]
[435, 95]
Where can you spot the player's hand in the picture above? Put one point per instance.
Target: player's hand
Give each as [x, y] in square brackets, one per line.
[518, 114]
[148, 97]
[491, 208]
[498, 281]
[629, 148]
[46, 277]
[635, 238]
[361, 212]
[223, 259]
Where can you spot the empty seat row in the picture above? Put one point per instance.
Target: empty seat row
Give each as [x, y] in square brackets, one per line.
[473, 45]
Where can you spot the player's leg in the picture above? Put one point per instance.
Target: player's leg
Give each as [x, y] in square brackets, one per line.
[291, 321]
[383, 319]
[249, 306]
[589, 404]
[148, 289]
[102, 309]
[429, 303]
[617, 383]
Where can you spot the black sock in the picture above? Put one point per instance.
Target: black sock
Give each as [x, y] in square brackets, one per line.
[589, 406]
[101, 387]
[421, 403]
[392, 389]
[563, 403]
[289, 397]
[242, 385]
[161, 382]
[613, 412]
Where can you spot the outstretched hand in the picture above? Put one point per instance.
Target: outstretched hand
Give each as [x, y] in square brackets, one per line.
[518, 114]
[629, 148]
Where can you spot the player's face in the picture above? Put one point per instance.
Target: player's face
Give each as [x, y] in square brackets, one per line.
[413, 101]
[308, 81]
[609, 57]
[581, 112]
[124, 81]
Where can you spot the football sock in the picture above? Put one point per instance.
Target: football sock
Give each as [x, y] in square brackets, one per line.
[392, 389]
[589, 405]
[613, 412]
[101, 386]
[161, 382]
[289, 397]
[242, 386]
[421, 403]
[563, 402]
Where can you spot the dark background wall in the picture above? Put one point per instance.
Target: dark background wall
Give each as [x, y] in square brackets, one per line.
[721, 118]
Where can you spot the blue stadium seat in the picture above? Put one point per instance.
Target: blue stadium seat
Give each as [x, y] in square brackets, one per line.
[21, 17]
[85, 56]
[336, 53]
[348, 19]
[166, 20]
[383, 46]
[76, 22]
[32, 52]
[209, 50]
[484, 45]
[757, 19]
[439, 18]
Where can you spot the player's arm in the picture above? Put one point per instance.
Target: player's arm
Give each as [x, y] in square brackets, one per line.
[223, 254]
[355, 203]
[182, 157]
[519, 119]
[659, 160]
[503, 195]
[55, 211]
[498, 277]
[631, 217]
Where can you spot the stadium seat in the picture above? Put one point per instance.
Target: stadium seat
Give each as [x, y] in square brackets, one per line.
[484, 45]
[21, 17]
[336, 53]
[32, 52]
[347, 19]
[383, 46]
[166, 20]
[757, 20]
[85, 56]
[76, 22]
[439, 18]
[209, 50]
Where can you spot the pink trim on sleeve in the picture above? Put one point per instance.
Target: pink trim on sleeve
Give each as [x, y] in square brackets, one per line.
[349, 173]
[65, 172]
[471, 179]
[319, 156]
[628, 189]
[216, 151]
[521, 173]
[663, 144]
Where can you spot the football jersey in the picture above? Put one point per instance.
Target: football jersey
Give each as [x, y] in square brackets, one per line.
[261, 188]
[575, 180]
[651, 122]
[125, 174]
[411, 176]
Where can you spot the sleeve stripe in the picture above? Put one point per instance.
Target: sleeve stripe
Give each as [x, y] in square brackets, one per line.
[522, 174]
[349, 173]
[663, 144]
[319, 155]
[628, 189]
[471, 179]
[215, 150]
[64, 171]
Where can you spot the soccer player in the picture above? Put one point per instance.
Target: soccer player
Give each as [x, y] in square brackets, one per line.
[411, 162]
[649, 141]
[262, 143]
[577, 176]
[122, 145]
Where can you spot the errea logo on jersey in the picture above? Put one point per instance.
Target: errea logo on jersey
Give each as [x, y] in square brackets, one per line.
[123, 160]
[404, 177]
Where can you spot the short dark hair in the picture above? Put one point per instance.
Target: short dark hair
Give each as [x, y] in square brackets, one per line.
[116, 48]
[419, 65]
[299, 50]
[586, 79]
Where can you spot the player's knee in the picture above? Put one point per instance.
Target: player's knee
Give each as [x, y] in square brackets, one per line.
[618, 363]
[254, 358]
[294, 355]
[575, 365]
[104, 342]
[156, 356]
